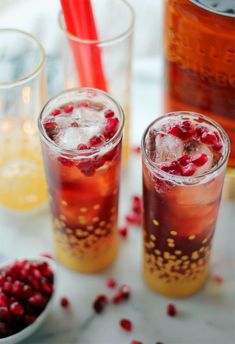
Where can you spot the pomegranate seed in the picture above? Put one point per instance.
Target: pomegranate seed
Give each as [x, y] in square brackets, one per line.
[46, 255]
[26, 291]
[37, 274]
[17, 288]
[111, 283]
[4, 301]
[188, 170]
[134, 219]
[82, 147]
[136, 342]
[100, 303]
[217, 146]
[186, 124]
[50, 125]
[184, 160]
[65, 162]
[16, 309]
[208, 138]
[37, 300]
[125, 291]
[47, 272]
[47, 288]
[200, 160]
[112, 124]
[96, 140]
[56, 112]
[123, 231]
[7, 287]
[102, 298]
[218, 279]
[117, 298]
[171, 310]
[25, 273]
[64, 302]
[176, 131]
[159, 343]
[4, 314]
[34, 283]
[87, 167]
[136, 149]
[108, 114]
[126, 324]
[137, 204]
[84, 103]
[29, 319]
[68, 108]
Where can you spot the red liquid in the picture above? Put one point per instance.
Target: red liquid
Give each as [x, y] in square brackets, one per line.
[84, 204]
[200, 64]
[179, 223]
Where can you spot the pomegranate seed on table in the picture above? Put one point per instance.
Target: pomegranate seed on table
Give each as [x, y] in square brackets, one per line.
[171, 310]
[134, 219]
[117, 298]
[123, 231]
[46, 255]
[111, 283]
[126, 325]
[218, 279]
[99, 303]
[125, 291]
[64, 302]
[136, 149]
[136, 342]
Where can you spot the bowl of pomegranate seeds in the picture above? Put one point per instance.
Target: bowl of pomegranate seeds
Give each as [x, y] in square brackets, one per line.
[26, 292]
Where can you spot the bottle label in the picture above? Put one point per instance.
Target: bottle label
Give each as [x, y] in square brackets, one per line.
[222, 7]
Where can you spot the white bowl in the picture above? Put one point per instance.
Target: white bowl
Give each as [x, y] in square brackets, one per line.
[27, 331]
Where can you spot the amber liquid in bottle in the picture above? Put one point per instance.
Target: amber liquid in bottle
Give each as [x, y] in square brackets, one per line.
[200, 62]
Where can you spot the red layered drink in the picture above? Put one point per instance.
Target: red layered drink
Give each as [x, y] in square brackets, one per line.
[184, 161]
[81, 134]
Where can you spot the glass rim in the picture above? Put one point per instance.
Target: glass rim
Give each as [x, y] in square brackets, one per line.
[80, 153]
[187, 179]
[38, 67]
[103, 42]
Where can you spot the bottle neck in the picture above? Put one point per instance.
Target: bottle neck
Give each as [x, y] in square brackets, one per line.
[220, 7]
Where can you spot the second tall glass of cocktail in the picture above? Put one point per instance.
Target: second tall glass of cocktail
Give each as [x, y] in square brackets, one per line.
[81, 134]
[184, 161]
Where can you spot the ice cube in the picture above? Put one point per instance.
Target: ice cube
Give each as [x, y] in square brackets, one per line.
[69, 138]
[163, 147]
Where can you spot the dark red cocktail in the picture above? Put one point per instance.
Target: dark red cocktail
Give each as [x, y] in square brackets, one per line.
[184, 161]
[81, 134]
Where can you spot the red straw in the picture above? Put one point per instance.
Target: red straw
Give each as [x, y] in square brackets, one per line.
[80, 22]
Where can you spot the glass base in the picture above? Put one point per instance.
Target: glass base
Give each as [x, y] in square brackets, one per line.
[89, 263]
[177, 288]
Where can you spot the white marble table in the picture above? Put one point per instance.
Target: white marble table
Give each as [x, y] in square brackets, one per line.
[206, 318]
